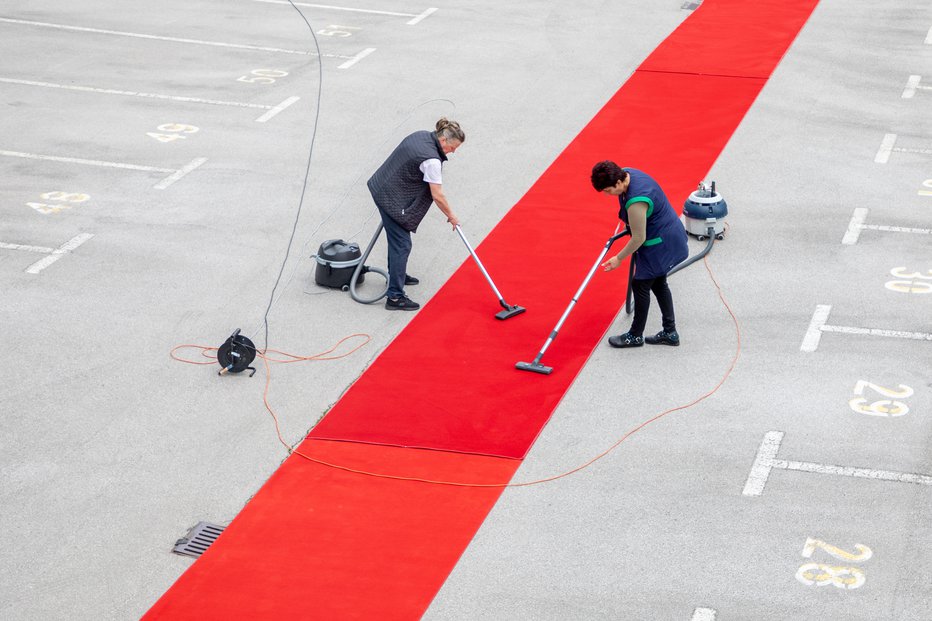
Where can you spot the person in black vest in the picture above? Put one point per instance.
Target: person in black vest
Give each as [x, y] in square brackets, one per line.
[403, 188]
[658, 243]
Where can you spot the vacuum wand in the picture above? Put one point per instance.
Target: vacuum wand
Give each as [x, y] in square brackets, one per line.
[508, 309]
[536, 366]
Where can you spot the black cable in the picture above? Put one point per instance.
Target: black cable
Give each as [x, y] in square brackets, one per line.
[307, 174]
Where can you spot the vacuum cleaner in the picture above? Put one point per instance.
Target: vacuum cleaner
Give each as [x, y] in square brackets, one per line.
[360, 268]
[703, 213]
[536, 366]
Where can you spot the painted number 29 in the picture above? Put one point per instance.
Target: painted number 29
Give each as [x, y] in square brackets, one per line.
[881, 407]
[843, 577]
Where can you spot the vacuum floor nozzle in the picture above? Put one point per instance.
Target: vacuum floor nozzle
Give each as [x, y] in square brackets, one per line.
[509, 311]
[535, 367]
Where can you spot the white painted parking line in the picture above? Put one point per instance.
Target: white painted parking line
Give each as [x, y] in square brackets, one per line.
[856, 225]
[818, 325]
[912, 85]
[763, 464]
[161, 185]
[273, 111]
[110, 91]
[418, 19]
[897, 334]
[888, 146]
[138, 35]
[814, 333]
[703, 614]
[330, 7]
[178, 174]
[41, 249]
[56, 254]
[355, 59]
[896, 229]
[77, 160]
[929, 37]
[766, 461]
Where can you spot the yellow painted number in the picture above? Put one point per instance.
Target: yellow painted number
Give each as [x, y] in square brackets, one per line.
[63, 200]
[862, 555]
[821, 575]
[337, 31]
[175, 131]
[910, 282]
[262, 76]
[883, 407]
[927, 184]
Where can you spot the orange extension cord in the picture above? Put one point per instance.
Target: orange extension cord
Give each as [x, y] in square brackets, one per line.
[325, 356]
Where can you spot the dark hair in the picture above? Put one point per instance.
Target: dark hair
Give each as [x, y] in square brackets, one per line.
[606, 174]
[450, 130]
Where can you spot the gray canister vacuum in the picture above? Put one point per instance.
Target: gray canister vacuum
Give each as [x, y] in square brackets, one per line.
[340, 265]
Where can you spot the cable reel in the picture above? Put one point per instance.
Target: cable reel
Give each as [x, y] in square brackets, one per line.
[236, 354]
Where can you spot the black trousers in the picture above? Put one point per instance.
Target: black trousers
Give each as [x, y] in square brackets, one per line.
[642, 290]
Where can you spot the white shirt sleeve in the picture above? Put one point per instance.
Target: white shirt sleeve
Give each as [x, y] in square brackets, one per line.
[431, 170]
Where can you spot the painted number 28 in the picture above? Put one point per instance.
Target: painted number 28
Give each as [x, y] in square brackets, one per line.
[843, 577]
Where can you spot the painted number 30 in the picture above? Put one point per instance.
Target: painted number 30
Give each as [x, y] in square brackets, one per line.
[910, 282]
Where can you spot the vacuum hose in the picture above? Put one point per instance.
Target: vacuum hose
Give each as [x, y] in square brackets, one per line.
[362, 268]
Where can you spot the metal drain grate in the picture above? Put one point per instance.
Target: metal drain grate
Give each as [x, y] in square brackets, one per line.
[198, 539]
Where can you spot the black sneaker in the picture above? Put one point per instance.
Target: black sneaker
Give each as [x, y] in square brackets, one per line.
[411, 280]
[402, 303]
[664, 338]
[626, 340]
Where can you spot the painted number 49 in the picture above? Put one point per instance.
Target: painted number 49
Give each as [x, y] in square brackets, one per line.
[172, 132]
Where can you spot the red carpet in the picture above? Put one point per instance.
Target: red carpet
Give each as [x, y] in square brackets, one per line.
[320, 543]
[454, 352]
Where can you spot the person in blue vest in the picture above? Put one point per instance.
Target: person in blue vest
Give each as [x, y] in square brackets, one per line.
[403, 188]
[658, 242]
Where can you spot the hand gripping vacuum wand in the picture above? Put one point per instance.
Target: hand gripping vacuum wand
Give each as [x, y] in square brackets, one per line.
[536, 366]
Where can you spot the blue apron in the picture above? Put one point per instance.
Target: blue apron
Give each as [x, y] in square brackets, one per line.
[665, 245]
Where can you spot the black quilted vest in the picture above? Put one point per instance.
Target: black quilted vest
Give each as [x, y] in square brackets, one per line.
[398, 187]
